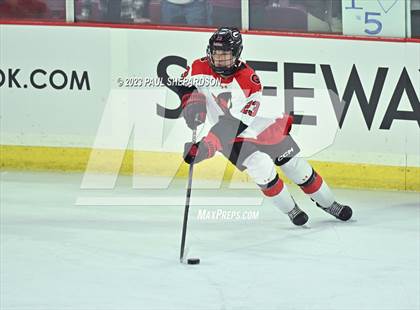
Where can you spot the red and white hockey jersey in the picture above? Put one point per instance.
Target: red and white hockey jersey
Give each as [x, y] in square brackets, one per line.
[240, 95]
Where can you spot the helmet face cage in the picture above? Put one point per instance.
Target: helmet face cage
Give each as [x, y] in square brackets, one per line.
[224, 50]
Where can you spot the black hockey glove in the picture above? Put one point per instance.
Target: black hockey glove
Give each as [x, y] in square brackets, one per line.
[194, 109]
[206, 148]
[195, 152]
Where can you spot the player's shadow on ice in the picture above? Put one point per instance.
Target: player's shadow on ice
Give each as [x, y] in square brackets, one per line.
[325, 223]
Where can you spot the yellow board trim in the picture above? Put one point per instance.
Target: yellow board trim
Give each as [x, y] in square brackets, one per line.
[68, 159]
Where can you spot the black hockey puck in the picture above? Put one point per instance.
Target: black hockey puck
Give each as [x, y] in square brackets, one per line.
[193, 261]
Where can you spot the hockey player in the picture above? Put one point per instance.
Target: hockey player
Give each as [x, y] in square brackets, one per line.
[252, 143]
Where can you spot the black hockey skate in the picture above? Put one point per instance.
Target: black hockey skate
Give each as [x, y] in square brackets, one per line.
[297, 216]
[338, 210]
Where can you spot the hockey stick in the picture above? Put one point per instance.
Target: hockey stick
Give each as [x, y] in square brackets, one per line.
[187, 203]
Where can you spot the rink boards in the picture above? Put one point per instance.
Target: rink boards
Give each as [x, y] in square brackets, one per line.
[67, 90]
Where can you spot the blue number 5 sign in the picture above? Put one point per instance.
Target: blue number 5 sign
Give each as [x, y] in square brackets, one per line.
[371, 20]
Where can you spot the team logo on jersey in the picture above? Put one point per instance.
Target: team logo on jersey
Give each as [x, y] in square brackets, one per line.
[185, 74]
[255, 79]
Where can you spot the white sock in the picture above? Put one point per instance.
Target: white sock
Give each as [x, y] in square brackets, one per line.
[261, 169]
[299, 171]
[283, 200]
[323, 196]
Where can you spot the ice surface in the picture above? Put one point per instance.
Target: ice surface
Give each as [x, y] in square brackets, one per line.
[57, 255]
